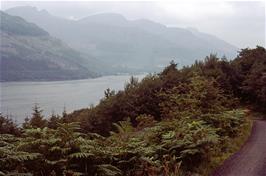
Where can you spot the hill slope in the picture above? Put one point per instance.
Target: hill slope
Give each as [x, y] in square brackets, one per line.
[30, 53]
[178, 122]
[125, 43]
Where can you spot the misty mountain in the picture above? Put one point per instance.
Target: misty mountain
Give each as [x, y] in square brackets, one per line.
[30, 53]
[119, 42]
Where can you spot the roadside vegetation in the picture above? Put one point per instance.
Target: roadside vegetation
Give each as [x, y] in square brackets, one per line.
[178, 122]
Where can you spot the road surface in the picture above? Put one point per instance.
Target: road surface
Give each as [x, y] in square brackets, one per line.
[250, 160]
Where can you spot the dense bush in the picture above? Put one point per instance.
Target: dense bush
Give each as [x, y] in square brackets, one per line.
[176, 146]
[192, 124]
[227, 79]
[250, 68]
[244, 77]
[178, 122]
[7, 126]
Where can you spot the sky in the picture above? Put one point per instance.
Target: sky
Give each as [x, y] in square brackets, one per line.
[241, 23]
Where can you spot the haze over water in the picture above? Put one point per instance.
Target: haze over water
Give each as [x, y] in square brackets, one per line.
[18, 98]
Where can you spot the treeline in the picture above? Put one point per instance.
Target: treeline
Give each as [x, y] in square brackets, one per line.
[243, 78]
[178, 122]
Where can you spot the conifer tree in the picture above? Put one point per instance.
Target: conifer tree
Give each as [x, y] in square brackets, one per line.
[53, 121]
[37, 120]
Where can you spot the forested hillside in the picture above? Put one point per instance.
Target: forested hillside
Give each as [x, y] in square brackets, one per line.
[127, 45]
[177, 122]
[28, 53]
[242, 79]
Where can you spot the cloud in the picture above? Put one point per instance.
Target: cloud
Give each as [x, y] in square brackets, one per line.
[192, 10]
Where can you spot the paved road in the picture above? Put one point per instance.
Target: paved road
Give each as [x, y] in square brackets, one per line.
[250, 160]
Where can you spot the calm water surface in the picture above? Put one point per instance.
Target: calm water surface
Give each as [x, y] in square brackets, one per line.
[18, 98]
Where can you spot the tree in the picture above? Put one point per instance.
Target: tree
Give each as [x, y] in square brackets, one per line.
[7, 126]
[53, 121]
[37, 120]
[109, 93]
[133, 83]
[250, 67]
[64, 113]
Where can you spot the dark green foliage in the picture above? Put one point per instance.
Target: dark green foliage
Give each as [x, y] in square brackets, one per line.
[177, 122]
[53, 121]
[7, 126]
[168, 147]
[37, 120]
[250, 68]
[218, 69]
[138, 98]
[40, 151]
[244, 77]
[197, 96]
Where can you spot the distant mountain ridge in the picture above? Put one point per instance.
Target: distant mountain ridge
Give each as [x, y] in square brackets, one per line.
[130, 44]
[29, 53]
[11, 26]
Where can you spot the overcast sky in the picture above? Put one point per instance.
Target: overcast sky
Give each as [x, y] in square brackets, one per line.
[239, 23]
